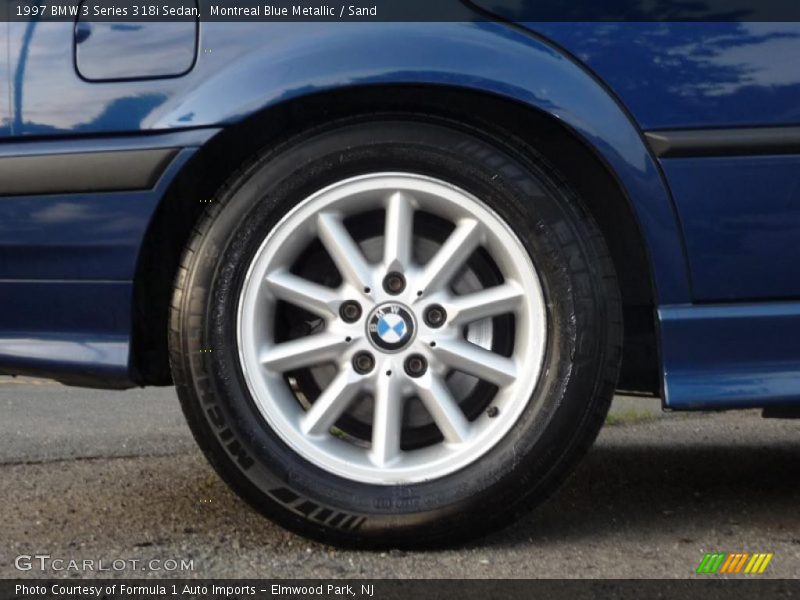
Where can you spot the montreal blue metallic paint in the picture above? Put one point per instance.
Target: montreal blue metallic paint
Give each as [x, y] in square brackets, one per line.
[730, 356]
[70, 329]
[741, 218]
[95, 236]
[683, 75]
[67, 264]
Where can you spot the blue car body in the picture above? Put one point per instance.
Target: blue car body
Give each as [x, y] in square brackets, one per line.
[697, 124]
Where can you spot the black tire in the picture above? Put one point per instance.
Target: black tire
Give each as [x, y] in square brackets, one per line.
[581, 362]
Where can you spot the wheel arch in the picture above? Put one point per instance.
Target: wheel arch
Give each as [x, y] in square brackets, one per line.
[523, 125]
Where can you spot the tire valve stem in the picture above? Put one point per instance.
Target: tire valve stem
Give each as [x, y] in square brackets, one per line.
[492, 412]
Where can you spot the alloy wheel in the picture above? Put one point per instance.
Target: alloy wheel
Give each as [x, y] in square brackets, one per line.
[391, 328]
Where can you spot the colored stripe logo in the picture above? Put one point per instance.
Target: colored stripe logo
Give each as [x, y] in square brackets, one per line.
[733, 563]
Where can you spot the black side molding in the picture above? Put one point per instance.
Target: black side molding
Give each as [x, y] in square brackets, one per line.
[724, 142]
[65, 173]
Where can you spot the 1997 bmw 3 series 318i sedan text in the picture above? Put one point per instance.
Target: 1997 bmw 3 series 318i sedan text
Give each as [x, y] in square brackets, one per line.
[396, 271]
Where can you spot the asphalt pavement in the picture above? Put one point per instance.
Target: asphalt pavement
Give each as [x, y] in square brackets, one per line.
[97, 475]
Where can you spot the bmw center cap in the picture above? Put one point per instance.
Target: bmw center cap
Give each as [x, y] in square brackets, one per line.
[390, 327]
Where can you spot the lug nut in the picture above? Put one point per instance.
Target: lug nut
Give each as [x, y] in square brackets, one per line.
[435, 316]
[363, 363]
[394, 283]
[350, 311]
[416, 365]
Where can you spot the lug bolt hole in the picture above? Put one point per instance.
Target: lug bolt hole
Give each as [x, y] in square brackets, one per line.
[350, 311]
[394, 283]
[416, 365]
[492, 412]
[363, 363]
[435, 316]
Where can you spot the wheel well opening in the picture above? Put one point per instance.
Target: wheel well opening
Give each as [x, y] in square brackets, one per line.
[520, 125]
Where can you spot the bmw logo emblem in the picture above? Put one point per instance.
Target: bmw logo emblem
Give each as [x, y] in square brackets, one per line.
[390, 327]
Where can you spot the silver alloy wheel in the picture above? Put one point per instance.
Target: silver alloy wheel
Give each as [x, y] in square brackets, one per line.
[310, 431]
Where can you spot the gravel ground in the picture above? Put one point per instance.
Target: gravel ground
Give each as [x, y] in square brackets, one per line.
[115, 475]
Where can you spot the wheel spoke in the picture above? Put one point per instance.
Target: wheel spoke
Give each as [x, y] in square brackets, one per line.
[451, 256]
[300, 292]
[344, 251]
[441, 405]
[388, 421]
[330, 405]
[490, 302]
[399, 232]
[303, 352]
[473, 360]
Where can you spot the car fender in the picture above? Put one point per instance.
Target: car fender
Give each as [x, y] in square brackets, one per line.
[293, 60]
